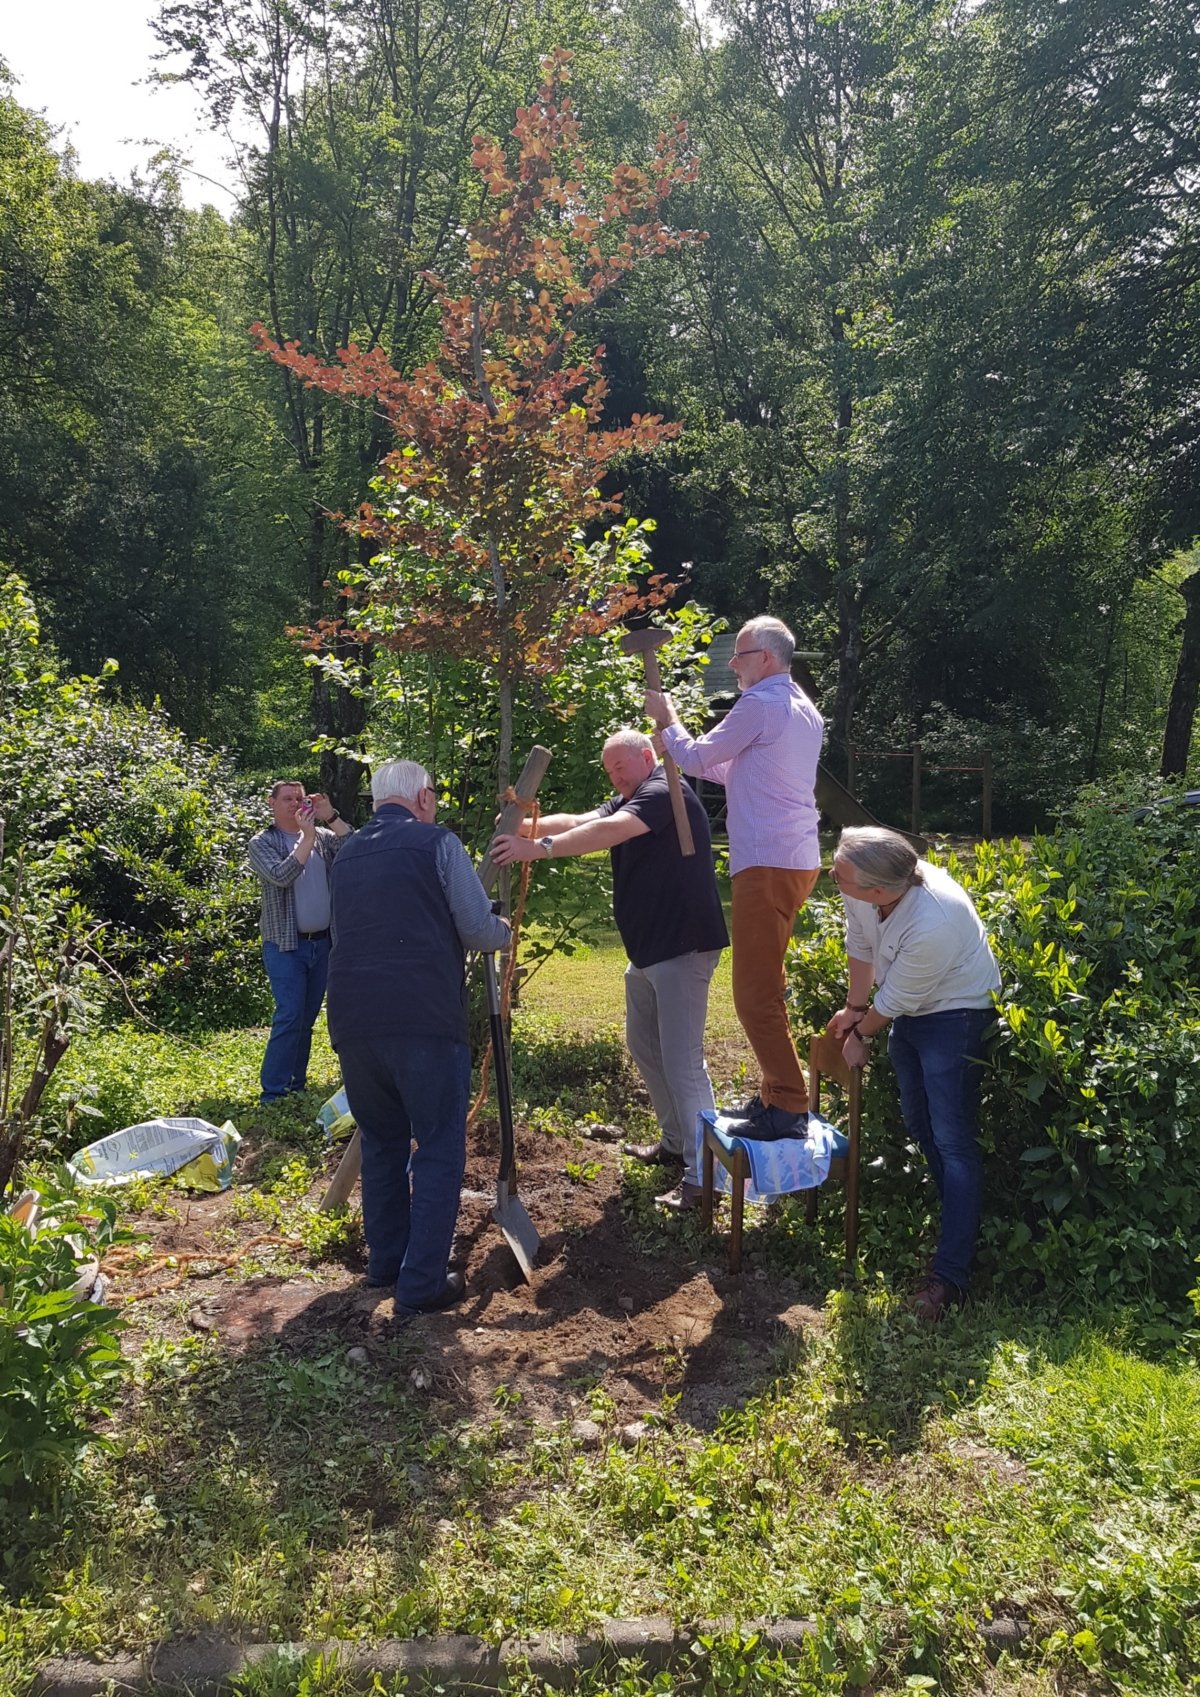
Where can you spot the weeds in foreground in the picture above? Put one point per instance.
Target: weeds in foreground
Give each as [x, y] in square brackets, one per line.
[1011, 1467]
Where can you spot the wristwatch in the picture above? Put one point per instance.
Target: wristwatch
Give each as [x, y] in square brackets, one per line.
[548, 844]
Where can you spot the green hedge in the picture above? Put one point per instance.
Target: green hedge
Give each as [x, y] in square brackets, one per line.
[110, 800]
[1091, 1104]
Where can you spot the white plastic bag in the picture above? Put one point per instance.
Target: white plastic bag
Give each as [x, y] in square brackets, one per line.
[199, 1154]
[336, 1118]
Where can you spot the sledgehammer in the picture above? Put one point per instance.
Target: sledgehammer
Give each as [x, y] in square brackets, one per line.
[647, 643]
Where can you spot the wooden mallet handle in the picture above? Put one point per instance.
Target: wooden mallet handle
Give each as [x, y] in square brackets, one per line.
[683, 824]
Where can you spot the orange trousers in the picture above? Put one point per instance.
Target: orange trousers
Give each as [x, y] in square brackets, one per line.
[766, 900]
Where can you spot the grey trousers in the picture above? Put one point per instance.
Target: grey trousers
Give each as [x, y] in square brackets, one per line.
[665, 1009]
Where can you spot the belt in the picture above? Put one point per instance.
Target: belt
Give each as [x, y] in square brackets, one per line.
[313, 936]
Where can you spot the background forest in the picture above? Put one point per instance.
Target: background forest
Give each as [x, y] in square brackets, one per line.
[934, 367]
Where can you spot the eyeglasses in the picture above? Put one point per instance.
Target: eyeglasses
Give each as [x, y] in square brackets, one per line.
[742, 653]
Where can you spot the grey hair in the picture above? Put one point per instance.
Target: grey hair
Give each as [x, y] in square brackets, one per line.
[884, 860]
[774, 636]
[399, 777]
[630, 739]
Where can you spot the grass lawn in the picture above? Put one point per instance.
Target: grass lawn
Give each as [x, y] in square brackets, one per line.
[900, 1486]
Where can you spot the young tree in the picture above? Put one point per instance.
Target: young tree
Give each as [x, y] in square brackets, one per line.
[480, 529]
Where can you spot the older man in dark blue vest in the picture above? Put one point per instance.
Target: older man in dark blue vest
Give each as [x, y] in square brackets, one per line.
[407, 905]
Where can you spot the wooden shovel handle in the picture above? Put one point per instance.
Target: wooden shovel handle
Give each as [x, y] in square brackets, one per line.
[683, 824]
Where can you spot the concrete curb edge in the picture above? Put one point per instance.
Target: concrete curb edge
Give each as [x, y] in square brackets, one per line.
[456, 1663]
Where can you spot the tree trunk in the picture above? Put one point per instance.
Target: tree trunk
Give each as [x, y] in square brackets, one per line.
[1093, 764]
[849, 657]
[1177, 738]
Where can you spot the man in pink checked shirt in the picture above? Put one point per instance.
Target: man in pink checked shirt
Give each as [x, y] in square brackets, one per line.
[765, 753]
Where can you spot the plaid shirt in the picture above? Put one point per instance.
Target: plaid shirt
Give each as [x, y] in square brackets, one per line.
[273, 860]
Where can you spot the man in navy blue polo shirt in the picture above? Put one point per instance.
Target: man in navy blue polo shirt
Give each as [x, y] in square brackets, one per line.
[407, 905]
[668, 910]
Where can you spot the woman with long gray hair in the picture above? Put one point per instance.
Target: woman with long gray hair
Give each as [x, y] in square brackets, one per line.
[914, 937]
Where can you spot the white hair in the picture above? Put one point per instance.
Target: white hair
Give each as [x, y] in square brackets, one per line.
[629, 739]
[774, 636]
[399, 778]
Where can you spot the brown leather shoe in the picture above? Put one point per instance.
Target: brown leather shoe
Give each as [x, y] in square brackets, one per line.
[652, 1154]
[682, 1199]
[933, 1297]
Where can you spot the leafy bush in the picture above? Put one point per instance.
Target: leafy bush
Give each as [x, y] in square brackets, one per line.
[1091, 1104]
[147, 829]
[60, 1354]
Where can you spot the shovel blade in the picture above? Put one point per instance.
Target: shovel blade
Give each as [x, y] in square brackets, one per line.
[519, 1230]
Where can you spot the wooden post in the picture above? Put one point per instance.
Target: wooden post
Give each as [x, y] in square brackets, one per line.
[512, 812]
[987, 794]
[916, 789]
[345, 1178]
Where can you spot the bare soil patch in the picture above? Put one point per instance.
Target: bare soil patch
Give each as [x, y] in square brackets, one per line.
[622, 1301]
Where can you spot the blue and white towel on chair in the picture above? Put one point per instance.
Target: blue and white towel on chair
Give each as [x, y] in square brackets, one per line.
[780, 1167]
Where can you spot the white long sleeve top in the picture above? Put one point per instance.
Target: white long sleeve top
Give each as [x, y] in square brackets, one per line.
[931, 953]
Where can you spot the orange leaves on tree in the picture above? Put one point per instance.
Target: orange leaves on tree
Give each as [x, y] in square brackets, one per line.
[500, 445]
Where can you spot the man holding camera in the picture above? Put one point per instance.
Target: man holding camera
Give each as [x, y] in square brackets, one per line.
[291, 859]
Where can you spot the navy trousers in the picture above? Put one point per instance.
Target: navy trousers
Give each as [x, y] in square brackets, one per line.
[409, 1097]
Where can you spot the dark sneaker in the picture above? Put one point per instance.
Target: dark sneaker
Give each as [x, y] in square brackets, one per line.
[747, 1110]
[682, 1199]
[652, 1154]
[370, 1282]
[771, 1124]
[933, 1297]
[454, 1289]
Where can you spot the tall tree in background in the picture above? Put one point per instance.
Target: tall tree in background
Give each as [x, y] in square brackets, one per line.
[354, 185]
[479, 542]
[925, 418]
[124, 471]
[790, 306]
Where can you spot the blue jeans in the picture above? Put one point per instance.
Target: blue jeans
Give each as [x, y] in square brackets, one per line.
[937, 1057]
[409, 1097]
[297, 978]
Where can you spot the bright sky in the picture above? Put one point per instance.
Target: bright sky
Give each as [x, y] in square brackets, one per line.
[85, 65]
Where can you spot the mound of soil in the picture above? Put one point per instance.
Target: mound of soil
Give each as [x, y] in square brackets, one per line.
[620, 1301]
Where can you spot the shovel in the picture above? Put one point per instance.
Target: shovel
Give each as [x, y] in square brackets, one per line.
[509, 1212]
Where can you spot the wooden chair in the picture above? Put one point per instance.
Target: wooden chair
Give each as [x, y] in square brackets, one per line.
[824, 1061]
